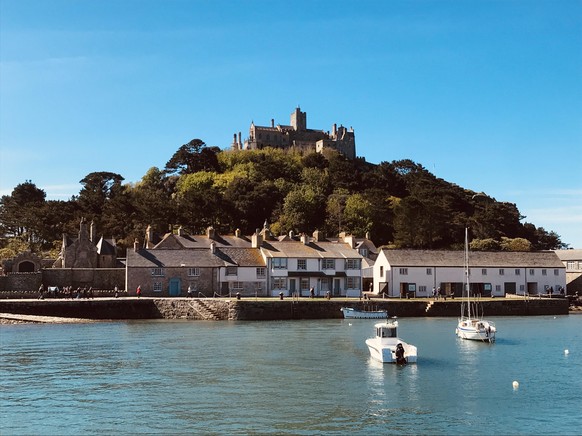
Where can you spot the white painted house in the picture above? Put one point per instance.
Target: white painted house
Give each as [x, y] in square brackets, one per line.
[398, 273]
[297, 265]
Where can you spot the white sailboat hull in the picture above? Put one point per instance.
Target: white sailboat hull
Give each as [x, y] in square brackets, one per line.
[476, 330]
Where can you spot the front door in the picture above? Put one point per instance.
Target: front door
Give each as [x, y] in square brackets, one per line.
[175, 290]
[292, 286]
[336, 286]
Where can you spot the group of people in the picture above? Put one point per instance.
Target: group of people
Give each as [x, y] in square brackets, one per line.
[53, 292]
[437, 293]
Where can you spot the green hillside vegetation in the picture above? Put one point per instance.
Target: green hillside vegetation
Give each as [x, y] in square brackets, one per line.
[400, 203]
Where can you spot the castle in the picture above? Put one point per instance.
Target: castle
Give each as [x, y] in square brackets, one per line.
[297, 136]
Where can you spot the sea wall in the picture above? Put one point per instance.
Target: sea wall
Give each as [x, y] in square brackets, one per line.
[264, 310]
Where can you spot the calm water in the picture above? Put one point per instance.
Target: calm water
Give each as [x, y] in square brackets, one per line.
[292, 377]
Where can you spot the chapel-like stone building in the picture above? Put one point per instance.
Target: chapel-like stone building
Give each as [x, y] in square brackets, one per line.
[297, 136]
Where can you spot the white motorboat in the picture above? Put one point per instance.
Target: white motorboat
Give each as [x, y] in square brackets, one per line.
[471, 324]
[350, 312]
[387, 347]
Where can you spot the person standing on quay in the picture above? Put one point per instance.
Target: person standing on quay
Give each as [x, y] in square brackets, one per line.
[138, 291]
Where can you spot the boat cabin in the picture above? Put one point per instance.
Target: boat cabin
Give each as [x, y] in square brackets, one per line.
[387, 330]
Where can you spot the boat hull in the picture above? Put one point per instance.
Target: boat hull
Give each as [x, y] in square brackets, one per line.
[350, 313]
[386, 353]
[476, 330]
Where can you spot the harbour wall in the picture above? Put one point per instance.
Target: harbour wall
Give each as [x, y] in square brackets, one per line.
[261, 310]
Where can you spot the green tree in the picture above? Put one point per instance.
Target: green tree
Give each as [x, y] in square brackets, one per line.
[20, 212]
[193, 157]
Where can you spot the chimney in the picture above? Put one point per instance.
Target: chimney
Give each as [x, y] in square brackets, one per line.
[272, 122]
[181, 231]
[350, 240]
[93, 232]
[237, 233]
[210, 232]
[334, 130]
[257, 239]
[368, 236]
[213, 247]
[318, 236]
[304, 239]
[136, 245]
[291, 234]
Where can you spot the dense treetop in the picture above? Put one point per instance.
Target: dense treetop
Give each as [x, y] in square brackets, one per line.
[400, 203]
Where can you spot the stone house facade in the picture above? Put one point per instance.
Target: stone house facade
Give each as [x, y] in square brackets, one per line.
[399, 273]
[572, 260]
[297, 136]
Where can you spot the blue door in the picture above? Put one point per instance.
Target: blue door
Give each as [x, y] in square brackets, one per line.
[175, 288]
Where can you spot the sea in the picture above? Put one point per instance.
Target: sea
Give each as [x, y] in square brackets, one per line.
[290, 378]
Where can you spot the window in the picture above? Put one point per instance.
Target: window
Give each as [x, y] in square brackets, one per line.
[352, 282]
[364, 252]
[556, 272]
[157, 272]
[353, 264]
[497, 288]
[304, 283]
[544, 272]
[429, 271]
[258, 286]
[403, 271]
[261, 273]
[381, 271]
[517, 272]
[157, 287]
[531, 272]
[193, 272]
[301, 264]
[501, 271]
[328, 264]
[484, 272]
[521, 287]
[231, 270]
[571, 264]
[279, 263]
[279, 283]
[237, 286]
[422, 288]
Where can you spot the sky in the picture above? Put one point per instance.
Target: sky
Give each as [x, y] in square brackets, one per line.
[484, 94]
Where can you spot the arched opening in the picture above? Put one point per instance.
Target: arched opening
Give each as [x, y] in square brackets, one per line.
[26, 266]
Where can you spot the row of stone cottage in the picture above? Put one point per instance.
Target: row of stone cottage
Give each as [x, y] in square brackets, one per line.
[297, 265]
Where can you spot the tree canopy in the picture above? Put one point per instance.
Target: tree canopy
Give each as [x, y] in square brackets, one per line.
[399, 203]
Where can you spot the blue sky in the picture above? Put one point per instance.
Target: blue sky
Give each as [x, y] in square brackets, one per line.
[484, 94]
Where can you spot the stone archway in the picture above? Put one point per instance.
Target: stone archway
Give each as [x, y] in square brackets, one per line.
[26, 266]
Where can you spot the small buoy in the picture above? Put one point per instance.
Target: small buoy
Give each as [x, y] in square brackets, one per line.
[515, 384]
[350, 323]
[566, 351]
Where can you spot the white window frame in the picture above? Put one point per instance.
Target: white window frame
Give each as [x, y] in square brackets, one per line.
[353, 282]
[327, 263]
[158, 272]
[403, 271]
[193, 272]
[304, 283]
[158, 287]
[261, 272]
[231, 271]
[279, 283]
[353, 264]
[279, 263]
[302, 264]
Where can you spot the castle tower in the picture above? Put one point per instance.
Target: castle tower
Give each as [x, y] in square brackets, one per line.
[299, 120]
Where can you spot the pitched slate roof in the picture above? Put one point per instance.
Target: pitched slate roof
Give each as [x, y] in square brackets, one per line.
[296, 249]
[106, 246]
[195, 257]
[173, 241]
[501, 259]
[569, 254]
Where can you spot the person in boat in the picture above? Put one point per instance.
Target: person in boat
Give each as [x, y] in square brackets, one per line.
[400, 359]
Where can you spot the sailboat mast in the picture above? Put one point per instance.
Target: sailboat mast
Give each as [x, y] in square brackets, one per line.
[467, 285]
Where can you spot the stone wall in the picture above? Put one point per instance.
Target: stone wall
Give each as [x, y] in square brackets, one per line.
[21, 282]
[263, 310]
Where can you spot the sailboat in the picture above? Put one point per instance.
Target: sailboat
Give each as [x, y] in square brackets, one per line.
[471, 324]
